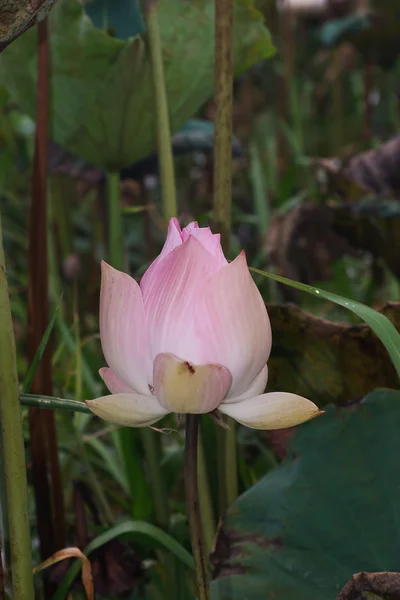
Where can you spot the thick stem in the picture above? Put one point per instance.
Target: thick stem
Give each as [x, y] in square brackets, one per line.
[2, 593]
[223, 118]
[165, 156]
[13, 450]
[193, 507]
[46, 475]
[223, 192]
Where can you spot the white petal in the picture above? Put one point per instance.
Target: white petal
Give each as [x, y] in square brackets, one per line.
[114, 384]
[275, 410]
[130, 410]
[184, 388]
[122, 328]
[256, 388]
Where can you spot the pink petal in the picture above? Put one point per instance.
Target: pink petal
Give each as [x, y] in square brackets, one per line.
[276, 410]
[174, 239]
[188, 230]
[115, 385]
[210, 241]
[130, 410]
[122, 328]
[256, 388]
[234, 324]
[184, 388]
[170, 299]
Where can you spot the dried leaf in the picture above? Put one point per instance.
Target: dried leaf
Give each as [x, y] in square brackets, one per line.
[372, 586]
[18, 16]
[72, 552]
[325, 361]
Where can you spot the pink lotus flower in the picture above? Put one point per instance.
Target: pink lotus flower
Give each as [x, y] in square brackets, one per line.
[193, 337]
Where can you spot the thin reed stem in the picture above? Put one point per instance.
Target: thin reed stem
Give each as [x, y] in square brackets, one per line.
[165, 157]
[13, 449]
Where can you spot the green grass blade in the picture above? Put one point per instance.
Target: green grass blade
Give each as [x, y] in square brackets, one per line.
[110, 461]
[26, 386]
[93, 386]
[384, 329]
[155, 535]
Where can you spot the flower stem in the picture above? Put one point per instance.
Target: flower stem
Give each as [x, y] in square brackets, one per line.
[223, 198]
[13, 450]
[193, 507]
[165, 156]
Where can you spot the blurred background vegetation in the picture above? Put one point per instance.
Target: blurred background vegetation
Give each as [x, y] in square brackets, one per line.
[316, 185]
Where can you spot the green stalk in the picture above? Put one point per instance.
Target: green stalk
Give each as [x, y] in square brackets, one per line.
[193, 507]
[223, 119]
[52, 403]
[223, 193]
[13, 449]
[166, 161]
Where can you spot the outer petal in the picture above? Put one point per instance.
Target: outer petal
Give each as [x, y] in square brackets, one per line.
[234, 324]
[174, 239]
[170, 300]
[276, 410]
[257, 387]
[115, 385]
[122, 328]
[184, 388]
[131, 410]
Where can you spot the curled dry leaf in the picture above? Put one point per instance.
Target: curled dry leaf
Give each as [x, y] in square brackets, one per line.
[305, 242]
[372, 226]
[327, 362]
[375, 172]
[18, 16]
[365, 586]
[72, 552]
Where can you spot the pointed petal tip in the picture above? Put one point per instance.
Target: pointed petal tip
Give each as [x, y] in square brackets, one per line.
[274, 410]
[127, 410]
[173, 222]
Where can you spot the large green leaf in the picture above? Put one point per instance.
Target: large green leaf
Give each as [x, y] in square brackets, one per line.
[330, 510]
[102, 93]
